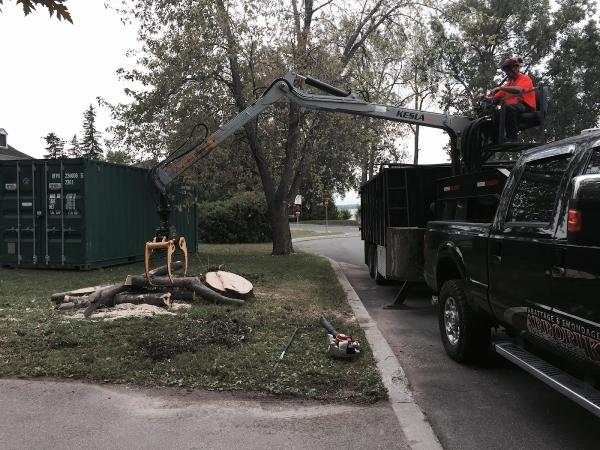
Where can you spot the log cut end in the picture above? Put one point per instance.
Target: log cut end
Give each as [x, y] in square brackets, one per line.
[229, 284]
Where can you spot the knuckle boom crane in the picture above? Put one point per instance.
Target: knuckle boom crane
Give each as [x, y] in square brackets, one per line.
[466, 137]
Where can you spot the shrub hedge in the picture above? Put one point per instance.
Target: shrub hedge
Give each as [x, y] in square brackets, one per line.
[243, 218]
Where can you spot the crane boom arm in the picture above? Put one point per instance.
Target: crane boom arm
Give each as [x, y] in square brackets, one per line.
[167, 171]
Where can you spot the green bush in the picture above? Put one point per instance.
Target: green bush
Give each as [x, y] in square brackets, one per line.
[344, 214]
[316, 211]
[243, 218]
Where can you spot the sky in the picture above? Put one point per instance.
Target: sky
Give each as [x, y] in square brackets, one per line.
[53, 70]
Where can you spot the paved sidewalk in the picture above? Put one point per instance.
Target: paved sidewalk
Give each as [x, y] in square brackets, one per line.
[73, 415]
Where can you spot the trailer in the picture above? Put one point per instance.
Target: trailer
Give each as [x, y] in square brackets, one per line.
[395, 207]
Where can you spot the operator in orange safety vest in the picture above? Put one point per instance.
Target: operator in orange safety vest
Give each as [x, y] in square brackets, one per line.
[517, 94]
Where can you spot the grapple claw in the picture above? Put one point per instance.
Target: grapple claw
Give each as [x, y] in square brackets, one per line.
[171, 246]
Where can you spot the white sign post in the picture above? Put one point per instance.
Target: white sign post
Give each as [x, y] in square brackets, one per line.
[297, 207]
[326, 216]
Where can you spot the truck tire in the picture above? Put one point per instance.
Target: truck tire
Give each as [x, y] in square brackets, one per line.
[465, 335]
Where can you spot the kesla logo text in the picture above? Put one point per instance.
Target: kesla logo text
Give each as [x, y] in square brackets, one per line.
[410, 115]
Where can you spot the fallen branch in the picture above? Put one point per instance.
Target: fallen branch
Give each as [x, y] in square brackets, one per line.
[162, 300]
[103, 297]
[74, 302]
[190, 283]
[59, 297]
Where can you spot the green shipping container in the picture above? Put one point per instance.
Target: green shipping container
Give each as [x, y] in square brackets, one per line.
[82, 214]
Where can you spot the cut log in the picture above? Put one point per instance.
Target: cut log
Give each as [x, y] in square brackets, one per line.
[181, 295]
[74, 302]
[229, 284]
[59, 297]
[162, 300]
[103, 297]
[162, 270]
[190, 283]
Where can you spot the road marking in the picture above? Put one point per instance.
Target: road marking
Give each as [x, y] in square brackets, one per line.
[414, 425]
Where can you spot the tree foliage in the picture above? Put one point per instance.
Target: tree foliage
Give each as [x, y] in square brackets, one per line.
[473, 35]
[243, 218]
[57, 7]
[206, 61]
[119, 157]
[90, 145]
[573, 76]
[54, 146]
[74, 150]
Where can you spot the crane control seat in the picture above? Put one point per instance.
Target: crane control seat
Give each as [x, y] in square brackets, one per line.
[535, 118]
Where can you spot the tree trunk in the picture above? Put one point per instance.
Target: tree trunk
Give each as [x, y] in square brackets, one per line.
[282, 237]
[416, 150]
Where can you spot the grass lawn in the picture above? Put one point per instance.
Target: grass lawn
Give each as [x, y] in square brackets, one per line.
[305, 233]
[209, 346]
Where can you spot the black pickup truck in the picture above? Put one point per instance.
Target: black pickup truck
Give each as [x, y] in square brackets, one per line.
[518, 251]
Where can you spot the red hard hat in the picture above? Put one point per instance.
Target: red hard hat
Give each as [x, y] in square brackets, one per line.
[511, 61]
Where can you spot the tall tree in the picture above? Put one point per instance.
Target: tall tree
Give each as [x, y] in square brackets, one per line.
[573, 76]
[74, 150]
[90, 145]
[226, 65]
[54, 146]
[119, 157]
[377, 73]
[473, 35]
[57, 7]
[422, 71]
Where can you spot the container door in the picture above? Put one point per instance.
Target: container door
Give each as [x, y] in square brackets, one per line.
[63, 198]
[20, 214]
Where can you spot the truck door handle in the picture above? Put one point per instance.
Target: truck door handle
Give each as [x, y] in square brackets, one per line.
[558, 272]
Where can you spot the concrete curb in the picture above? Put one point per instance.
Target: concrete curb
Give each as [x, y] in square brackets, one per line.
[414, 425]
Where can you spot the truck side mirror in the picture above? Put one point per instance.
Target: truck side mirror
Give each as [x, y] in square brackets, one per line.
[583, 221]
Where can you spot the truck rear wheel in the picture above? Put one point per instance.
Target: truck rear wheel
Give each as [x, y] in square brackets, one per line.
[466, 337]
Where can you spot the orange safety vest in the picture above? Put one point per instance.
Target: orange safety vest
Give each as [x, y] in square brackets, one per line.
[522, 81]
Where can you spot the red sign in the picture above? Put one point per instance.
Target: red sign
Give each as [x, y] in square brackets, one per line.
[297, 209]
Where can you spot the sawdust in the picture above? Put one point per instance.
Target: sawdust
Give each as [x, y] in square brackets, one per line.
[10, 319]
[179, 306]
[128, 310]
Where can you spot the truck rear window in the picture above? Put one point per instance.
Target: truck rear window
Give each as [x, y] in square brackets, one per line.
[468, 209]
[535, 196]
[593, 167]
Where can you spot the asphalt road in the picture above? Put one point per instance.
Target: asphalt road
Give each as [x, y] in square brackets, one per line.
[321, 228]
[493, 405]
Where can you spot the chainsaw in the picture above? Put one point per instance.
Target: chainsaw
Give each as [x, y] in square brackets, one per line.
[340, 345]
